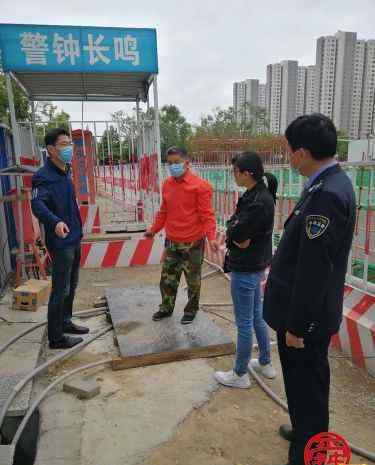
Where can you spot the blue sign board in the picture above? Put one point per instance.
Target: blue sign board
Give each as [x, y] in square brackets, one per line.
[32, 48]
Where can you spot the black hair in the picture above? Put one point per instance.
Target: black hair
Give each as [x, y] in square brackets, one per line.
[177, 151]
[52, 135]
[315, 133]
[252, 163]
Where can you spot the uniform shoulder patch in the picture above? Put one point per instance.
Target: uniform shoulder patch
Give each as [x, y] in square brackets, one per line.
[316, 225]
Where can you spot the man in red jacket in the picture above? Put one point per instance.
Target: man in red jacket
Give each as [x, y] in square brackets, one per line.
[188, 218]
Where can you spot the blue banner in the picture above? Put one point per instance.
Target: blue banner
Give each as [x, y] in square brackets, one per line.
[32, 48]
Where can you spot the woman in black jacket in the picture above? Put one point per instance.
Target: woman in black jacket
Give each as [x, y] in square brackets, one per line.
[249, 244]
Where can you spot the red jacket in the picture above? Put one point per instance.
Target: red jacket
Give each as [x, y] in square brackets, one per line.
[186, 212]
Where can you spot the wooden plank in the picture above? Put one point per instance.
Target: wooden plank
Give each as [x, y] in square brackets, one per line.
[128, 236]
[174, 356]
[107, 237]
[143, 342]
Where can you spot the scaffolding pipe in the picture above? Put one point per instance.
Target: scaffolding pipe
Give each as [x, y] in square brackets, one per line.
[157, 135]
[17, 149]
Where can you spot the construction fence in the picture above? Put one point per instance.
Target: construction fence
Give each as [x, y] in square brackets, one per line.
[132, 183]
[122, 167]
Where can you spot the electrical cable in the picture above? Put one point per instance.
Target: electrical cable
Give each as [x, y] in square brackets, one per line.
[43, 394]
[43, 367]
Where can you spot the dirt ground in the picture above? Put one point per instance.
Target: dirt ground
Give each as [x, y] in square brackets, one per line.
[239, 427]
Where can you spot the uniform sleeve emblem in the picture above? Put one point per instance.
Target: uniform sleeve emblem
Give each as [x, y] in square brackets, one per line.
[316, 225]
[34, 193]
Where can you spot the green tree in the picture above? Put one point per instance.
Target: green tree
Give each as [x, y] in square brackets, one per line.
[126, 128]
[109, 146]
[221, 122]
[126, 124]
[47, 117]
[253, 120]
[174, 129]
[21, 103]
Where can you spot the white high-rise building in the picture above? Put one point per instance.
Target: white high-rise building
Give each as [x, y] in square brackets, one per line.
[273, 96]
[345, 82]
[305, 98]
[346, 42]
[326, 51]
[357, 89]
[301, 90]
[310, 90]
[367, 121]
[245, 95]
[341, 85]
[288, 93]
[262, 96]
[281, 90]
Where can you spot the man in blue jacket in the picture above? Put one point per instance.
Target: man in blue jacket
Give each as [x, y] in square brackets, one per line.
[55, 205]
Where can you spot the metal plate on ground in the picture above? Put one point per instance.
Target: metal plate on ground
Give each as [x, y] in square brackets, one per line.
[143, 342]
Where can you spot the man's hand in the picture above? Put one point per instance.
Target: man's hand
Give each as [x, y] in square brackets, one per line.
[214, 245]
[242, 245]
[149, 234]
[62, 230]
[294, 341]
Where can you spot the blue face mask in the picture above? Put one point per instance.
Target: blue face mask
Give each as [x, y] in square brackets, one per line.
[177, 169]
[66, 154]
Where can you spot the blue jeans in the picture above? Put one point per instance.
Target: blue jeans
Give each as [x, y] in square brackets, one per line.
[248, 312]
[65, 270]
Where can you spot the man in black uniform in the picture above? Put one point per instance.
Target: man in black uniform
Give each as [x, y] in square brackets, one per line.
[304, 293]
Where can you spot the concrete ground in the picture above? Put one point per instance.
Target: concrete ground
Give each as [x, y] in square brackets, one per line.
[22, 357]
[175, 413]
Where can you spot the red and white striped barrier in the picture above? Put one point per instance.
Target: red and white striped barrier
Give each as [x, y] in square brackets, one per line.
[356, 337]
[122, 253]
[90, 218]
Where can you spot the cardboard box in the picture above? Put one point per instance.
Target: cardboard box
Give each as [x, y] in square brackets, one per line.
[31, 295]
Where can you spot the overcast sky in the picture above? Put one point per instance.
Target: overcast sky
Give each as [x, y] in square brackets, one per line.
[205, 45]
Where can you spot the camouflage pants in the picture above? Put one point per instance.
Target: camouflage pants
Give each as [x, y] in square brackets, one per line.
[187, 258]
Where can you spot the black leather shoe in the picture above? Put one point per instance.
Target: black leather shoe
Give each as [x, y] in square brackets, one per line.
[286, 432]
[72, 328]
[159, 315]
[187, 318]
[67, 342]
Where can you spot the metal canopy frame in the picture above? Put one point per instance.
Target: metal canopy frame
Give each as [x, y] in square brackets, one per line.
[96, 87]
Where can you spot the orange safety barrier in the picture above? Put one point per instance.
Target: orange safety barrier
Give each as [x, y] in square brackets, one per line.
[83, 165]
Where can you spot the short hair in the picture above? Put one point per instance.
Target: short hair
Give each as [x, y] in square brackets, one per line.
[177, 151]
[52, 135]
[316, 133]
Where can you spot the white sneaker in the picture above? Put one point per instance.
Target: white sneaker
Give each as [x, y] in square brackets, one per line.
[267, 371]
[231, 379]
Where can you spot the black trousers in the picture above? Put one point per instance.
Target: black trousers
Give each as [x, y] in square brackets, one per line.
[306, 377]
[65, 271]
